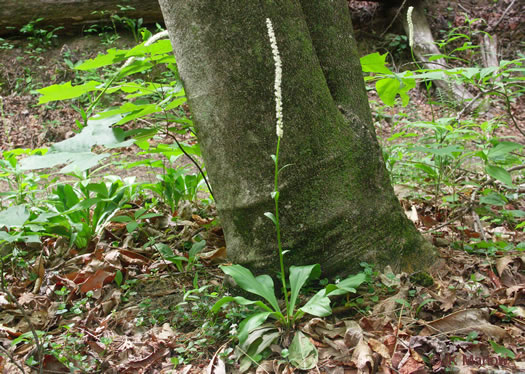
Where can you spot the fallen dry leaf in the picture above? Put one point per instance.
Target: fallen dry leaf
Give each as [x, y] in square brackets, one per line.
[502, 262]
[362, 356]
[463, 322]
[97, 280]
[379, 348]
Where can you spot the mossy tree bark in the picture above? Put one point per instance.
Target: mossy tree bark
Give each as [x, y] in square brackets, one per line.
[337, 205]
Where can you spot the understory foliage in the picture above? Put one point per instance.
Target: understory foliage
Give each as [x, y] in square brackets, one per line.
[98, 243]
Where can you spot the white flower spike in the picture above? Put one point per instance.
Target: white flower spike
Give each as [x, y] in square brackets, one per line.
[278, 78]
[410, 27]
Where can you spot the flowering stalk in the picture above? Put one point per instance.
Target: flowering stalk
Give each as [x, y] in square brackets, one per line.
[410, 27]
[279, 132]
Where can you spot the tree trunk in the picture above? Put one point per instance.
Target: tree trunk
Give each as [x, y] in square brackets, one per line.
[72, 14]
[337, 205]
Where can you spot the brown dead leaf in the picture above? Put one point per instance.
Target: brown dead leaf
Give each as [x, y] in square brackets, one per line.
[463, 322]
[143, 364]
[97, 280]
[339, 351]
[214, 256]
[353, 334]
[412, 366]
[446, 297]
[39, 270]
[362, 356]
[502, 262]
[201, 221]
[216, 365]
[388, 307]
[380, 348]
[133, 258]
[318, 328]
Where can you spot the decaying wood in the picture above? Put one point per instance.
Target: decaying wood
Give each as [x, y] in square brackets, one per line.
[72, 14]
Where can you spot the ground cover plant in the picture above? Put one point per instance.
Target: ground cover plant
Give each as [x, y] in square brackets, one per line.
[102, 273]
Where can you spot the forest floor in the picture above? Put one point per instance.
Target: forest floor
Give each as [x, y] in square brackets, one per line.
[120, 306]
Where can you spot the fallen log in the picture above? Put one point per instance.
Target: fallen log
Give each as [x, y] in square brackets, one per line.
[73, 15]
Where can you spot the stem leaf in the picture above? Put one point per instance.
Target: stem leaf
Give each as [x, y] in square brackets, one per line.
[271, 216]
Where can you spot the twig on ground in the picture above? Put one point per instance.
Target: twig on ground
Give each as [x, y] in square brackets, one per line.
[491, 28]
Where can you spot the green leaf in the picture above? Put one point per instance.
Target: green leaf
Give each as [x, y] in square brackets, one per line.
[10, 238]
[14, 216]
[502, 351]
[132, 226]
[256, 336]
[347, 285]
[389, 88]
[302, 353]
[298, 277]
[493, 198]
[267, 340]
[118, 278]
[239, 300]
[76, 151]
[251, 323]
[449, 151]
[403, 302]
[318, 305]
[111, 56]
[196, 248]
[159, 47]
[66, 91]
[167, 253]
[500, 174]
[262, 285]
[502, 149]
[28, 337]
[374, 63]
[271, 216]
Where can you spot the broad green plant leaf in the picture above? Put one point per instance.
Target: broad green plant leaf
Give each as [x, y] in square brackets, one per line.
[449, 151]
[493, 198]
[318, 305]
[66, 91]
[251, 323]
[502, 149]
[502, 351]
[103, 59]
[196, 248]
[76, 152]
[298, 277]
[261, 285]
[266, 333]
[239, 300]
[14, 216]
[346, 285]
[389, 88]
[374, 63]
[302, 353]
[159, 47]
[500, 174]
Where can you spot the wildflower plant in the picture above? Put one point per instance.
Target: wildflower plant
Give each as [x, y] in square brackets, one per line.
[254, 335]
